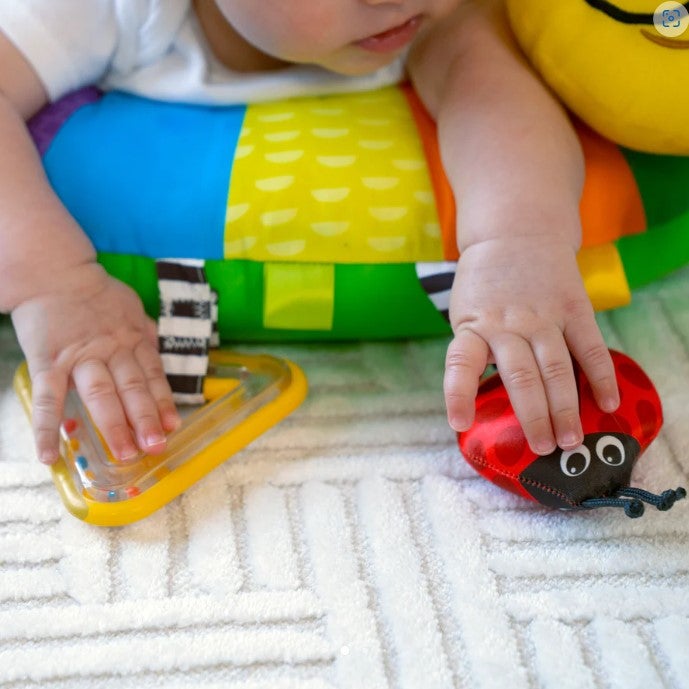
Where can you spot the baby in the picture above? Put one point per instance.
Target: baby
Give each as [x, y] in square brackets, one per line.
[508, 149]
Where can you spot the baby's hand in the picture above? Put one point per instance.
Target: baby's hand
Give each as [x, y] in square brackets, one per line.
[520, 303]
[92, 331]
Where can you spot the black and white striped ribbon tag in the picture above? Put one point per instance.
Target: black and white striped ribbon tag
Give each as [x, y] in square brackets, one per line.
[436, 279]
[187, 326]
[215, 333]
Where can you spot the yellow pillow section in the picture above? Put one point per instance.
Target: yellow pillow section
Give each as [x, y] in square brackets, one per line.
[333, 179]
[604, 277]
[611, 65]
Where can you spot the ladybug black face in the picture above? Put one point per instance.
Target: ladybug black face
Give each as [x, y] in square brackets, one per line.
[597, 467]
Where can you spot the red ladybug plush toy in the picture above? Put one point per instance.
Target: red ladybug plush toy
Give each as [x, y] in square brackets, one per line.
[598, 472]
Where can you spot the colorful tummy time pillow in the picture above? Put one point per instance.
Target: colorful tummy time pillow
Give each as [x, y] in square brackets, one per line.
[330, 218]
[322, 218]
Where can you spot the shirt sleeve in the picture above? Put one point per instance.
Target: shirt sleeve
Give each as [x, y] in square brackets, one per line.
[69, 43]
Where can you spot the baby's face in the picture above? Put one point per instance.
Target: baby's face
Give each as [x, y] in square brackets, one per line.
[345, 36]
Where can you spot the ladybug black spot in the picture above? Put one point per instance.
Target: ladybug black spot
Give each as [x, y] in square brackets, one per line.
[634, 375]
[510, 445]
[649, 418]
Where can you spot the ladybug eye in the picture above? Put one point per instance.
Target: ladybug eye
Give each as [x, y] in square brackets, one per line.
[610, 450]
[575, 462]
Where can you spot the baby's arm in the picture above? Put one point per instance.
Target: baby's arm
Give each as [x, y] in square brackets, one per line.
[516, 168]
[76, 325]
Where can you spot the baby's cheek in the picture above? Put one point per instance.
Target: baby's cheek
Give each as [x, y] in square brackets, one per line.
[310, 36]
[275, 28]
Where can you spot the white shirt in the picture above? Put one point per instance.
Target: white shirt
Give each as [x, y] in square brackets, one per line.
[153, 48]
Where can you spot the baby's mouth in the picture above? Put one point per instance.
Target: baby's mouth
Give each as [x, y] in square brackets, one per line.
[664, 41]
[392, 39]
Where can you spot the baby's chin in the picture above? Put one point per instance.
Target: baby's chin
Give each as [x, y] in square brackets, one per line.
[359, 65]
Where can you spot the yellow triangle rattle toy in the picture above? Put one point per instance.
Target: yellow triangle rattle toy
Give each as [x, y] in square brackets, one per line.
[245, 395]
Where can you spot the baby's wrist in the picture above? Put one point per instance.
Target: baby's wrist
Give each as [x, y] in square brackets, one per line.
[518, 220]
[82, 278]
[521, 245]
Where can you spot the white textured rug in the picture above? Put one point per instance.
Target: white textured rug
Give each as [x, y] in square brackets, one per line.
[352, 548]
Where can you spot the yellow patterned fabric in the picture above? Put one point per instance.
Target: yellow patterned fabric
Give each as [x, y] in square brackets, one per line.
[336, 180]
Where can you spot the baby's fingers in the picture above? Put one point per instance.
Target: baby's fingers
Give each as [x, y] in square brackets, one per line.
[151, 365]
[48, 391]
[524, 384]
[98, 392]
[588, 347]
[466, 359]
[140, 406]
[557, 372]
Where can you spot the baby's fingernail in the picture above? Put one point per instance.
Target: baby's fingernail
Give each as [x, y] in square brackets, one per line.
[570, 440]
[153, 439]
[459, 423]
[544, 447]
[610, 404]
[48, 457]
[128, 453]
